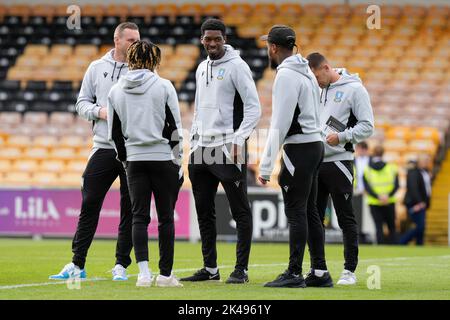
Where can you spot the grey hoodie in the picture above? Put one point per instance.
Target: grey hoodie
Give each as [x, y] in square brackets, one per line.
[227, 107]
[348, 102]
[295, 110]
[144, 122]
[100, 76]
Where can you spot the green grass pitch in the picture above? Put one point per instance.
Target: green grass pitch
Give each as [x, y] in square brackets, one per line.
[405, 273]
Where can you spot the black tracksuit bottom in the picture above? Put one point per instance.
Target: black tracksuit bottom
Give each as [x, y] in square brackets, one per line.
[209, 166]
[160, 179]
[101, 171]
[381, 215]
[336, 179]
[298, 182]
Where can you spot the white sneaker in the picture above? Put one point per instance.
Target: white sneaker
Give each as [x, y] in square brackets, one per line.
[347, 278]
[119, 273]
[69, 271]
[162, 281]
[144, 280]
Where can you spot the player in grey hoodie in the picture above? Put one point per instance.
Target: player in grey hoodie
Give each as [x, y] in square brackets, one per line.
[346, 118]
[226, 111]
[295, 127]
[145, 128]
[102, 168]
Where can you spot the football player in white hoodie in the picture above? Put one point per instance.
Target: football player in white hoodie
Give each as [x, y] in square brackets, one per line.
[346, 118]
[227, 109]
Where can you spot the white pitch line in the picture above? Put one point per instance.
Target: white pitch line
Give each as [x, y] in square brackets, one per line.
[56, 282]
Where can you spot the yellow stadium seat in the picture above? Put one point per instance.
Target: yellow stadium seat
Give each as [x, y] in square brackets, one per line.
[188, 50]
[190, 9]
[10, 153]
[63, 118]
[141, 10]
[395, 145]
[45, 141]
[20, 141]
[93, 10]
[28, 61]
[69, 179]
[5, 166]
[15, 178]
[166, 9]
[63, 153]
[33, 50]
[117, 10]
[427, 133]
[19, 73]
[35, 118]
[40, 179]
[38, 153]
[10, 118]
[62, 50]
[52, 166]
[76, 166]
[214, 9]
[25, 165]
[87, 50]
[423, 146]
[72, 142]
[403, 133]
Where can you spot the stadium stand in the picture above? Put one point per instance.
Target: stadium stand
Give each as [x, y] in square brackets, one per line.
[405, 67]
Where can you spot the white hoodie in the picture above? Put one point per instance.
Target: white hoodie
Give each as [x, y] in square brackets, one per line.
[295, 110]
[227, 107]
[144, 122]
[100, 76]
[348, 102]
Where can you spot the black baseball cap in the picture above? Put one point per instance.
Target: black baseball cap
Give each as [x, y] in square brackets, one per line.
[280, 35]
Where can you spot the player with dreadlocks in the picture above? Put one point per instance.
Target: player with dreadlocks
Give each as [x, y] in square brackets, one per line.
[145, 128]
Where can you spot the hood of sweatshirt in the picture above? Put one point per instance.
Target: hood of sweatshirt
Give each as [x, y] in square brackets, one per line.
[345, 78]
[298, 64]
[377, 163]
[137, 81]
[230, 54]
[109, 57]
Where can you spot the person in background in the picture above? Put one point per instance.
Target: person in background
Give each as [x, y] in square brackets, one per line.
[361, 162]
[417, 199]
[381, 183]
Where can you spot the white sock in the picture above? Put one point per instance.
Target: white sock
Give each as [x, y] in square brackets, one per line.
[211, 270]
[143, 268]
[320, 273]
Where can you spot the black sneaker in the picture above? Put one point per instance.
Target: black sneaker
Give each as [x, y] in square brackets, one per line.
[202, 275]
[287, 280]
[237, 276]
[324, 281]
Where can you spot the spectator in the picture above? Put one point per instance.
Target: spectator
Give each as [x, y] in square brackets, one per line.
[417, 199]
[381, 183]
[361, 162]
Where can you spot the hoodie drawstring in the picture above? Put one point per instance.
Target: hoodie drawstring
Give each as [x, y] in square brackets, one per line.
[207, 78]
[326, 93]
[114, 69]
[211, 70]
[120, 69]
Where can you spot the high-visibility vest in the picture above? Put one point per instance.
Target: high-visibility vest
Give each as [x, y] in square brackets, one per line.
[382, 182]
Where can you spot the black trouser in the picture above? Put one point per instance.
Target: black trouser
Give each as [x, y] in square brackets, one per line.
[336, 178]
[101, 171]
[160, 178]
[298, 182]
[381, 215]
[208, 167]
